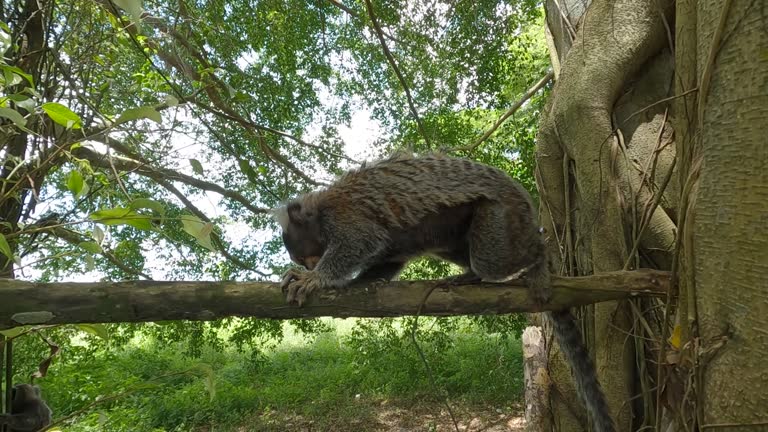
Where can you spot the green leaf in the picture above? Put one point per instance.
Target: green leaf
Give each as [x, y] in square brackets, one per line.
[98, 234]
[197, 167]
[147, 203]
[75, 183]
[13, 332]
[246, 169]
[90, 246]
[62, 115]
[23, 101]
[14, 116]
[199, 230]
[209, 377]
[19, 72]
[122, 216]
[10, 78]
[139, 113]
[133, 7]
[105, 216]
[244, 165]
[5, 248]
[90, 263]
[98, 330]
[84, 191]
[171, 100]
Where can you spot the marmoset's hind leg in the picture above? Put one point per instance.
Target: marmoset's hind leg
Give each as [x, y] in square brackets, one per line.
[499, 240]
[385, 271]
[504, 239]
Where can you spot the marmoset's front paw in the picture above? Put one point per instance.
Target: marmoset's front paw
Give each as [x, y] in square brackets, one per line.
[291, 275]
[299, 284]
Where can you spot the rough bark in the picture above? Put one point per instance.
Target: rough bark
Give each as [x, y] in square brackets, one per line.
[537, 382]
[73, 302]
[731, 214]
[598, 187]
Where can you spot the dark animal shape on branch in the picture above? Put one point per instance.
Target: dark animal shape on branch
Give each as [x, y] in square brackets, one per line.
[368, 224]
[29, 412]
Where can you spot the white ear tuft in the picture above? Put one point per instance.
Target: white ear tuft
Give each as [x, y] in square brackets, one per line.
[280, 215]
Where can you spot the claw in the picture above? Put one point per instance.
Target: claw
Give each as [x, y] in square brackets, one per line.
[287, 277]
[291, 297]
[299, 284]
[290, 276]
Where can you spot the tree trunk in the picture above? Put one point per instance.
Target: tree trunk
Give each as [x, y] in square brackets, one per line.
[730, 214]
[617, 195]
[26, 25]
[537, 382]
[608, 196]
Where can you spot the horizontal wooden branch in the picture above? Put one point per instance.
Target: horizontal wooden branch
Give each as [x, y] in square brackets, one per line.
[108, 302]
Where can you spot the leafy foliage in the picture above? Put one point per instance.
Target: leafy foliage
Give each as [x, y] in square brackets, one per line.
[319, 378]
[148, 145]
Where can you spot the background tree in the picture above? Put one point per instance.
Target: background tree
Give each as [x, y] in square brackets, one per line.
[621, 190]
[116, 100]
[146, 139]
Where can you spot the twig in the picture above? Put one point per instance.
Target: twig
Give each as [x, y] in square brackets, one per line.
[75, 238]
[528, 94]
[567, 21]
[733, 425]
[360, 17]
[648, 211]
[268, 151]
[218, 241]
[158, 174]
[393, 63]
[647, 107]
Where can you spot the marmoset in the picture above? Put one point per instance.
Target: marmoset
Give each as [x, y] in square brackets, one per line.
[29, 412]
[368, 224]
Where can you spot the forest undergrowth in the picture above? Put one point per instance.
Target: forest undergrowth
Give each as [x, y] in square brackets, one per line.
[348, 378]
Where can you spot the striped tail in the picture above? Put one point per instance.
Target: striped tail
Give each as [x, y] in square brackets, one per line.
[587, 385]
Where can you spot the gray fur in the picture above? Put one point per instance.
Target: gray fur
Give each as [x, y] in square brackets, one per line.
[29, 412]
[587, 385]
[374, 219]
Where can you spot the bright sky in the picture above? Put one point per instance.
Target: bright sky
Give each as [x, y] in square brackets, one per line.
[360, 135]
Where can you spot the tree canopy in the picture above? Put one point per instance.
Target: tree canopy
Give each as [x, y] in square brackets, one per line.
[148, 139]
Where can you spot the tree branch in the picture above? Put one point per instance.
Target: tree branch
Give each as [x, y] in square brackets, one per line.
[218, 242]
[393, 63]
[162, 174]
[212, 90]
[141, 301]
[360, 17]
[163, 177]
[74, 238]
[529, 94]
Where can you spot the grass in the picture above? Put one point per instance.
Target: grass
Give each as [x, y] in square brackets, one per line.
[346, 379]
